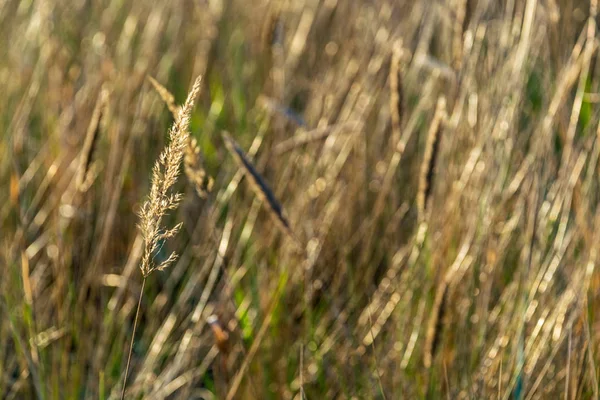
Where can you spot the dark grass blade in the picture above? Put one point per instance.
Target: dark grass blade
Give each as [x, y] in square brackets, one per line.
[258, 184]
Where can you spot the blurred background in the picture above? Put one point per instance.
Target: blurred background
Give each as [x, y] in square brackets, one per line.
[411, 210]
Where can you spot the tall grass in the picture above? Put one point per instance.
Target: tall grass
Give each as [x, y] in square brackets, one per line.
[354, 236]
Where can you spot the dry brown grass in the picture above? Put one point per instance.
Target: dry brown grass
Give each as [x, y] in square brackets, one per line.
[359, 240]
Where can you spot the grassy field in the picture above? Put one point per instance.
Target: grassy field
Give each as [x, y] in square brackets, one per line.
[362, 199]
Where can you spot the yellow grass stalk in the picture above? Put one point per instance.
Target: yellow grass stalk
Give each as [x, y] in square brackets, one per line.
[192, 161]
[160, 201]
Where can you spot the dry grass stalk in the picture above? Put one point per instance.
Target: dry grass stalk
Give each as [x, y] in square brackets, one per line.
[164, 176]
[86, 170]
[457, 34]
[431, 152]
[160, 201]
[306, 137]
[259, 185]
[241, 372]
[14, 189]
[165, 95]
[396, 94]
[434, 327]
[192, 161]
[436, 320]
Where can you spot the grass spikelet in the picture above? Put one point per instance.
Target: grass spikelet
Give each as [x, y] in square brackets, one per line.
[192, 162]
[259, 185]
[164, 176]
[86, 170]
[431, 152]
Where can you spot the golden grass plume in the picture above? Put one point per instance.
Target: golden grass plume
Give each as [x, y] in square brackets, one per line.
[192, 161]
[164, 176]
